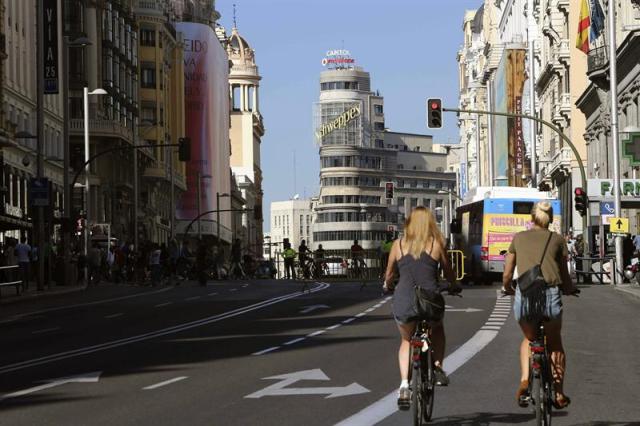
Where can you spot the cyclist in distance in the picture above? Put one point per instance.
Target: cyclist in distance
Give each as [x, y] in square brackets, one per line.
[304, 255]
[357, 254]
[525, 251]
[416, 257]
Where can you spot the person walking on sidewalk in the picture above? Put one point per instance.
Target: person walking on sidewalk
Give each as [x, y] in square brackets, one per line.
[154, 264]
[94, 263]
[22, 252]
[236, 259]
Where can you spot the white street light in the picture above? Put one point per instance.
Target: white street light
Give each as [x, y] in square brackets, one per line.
[86, 94]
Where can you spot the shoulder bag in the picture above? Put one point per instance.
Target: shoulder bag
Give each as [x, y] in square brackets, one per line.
[533, 289]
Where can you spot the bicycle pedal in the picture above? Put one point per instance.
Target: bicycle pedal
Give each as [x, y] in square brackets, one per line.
[524, 401]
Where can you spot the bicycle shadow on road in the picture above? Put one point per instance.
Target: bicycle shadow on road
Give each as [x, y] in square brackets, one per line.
[486, 419]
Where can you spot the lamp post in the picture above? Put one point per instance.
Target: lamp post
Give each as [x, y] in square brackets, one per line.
[451, 193]
[66, 156]
[218, 196]
[86, 94]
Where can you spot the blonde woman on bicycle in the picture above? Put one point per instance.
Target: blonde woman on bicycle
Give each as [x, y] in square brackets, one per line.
[416, 257]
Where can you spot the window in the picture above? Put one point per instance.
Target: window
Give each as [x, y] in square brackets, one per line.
[414, 202]
[147, 37]
[379, 143]
[378, 109]
[148, 78]
[148, 114]
[427, 203]
[378, 125]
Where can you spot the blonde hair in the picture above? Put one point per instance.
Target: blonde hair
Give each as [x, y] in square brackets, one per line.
[542, 214]
[420, 230]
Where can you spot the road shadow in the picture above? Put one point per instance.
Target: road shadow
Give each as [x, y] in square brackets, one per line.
[486, 419]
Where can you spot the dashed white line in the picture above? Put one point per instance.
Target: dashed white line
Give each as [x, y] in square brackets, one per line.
[316, 333]
[45, 330]
[360, 315]
[291, 342]
[165, 383]
[348, 320]
[370, 309]
[212, 294]
[160, 305]
[245, 285]
[188, 299]
[234, 289]
[267, 350]
[333, 327]
[119, 314]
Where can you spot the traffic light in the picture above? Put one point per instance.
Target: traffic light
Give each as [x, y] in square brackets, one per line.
[581, 201]
[388, 190]
[184, 149]
[434, 113]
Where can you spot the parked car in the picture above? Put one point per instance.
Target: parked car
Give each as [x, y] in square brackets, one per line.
[335, 266]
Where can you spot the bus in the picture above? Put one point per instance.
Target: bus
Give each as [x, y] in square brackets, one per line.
[486, 222]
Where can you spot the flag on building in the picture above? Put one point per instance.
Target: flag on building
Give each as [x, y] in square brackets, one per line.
[582, 42]
[597, 19]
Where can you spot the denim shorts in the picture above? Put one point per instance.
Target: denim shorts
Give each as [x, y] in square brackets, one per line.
[553, 309]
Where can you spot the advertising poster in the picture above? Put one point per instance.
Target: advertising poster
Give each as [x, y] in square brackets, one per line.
[206, 89]
[500, 229]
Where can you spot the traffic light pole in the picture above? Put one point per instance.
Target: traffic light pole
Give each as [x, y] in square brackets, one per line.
[585, 219]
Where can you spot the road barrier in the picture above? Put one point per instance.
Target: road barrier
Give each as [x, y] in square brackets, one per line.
[7, 275]
[456, 257]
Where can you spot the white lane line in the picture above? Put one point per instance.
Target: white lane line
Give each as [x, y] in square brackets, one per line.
[387, 405]
[97, 302]
[291, 342]
[490, 327]
[348, 320]
[316, 333]
[333, 327]
[212, 294]
[188, 299]
[165, 383]
[266, 351]
[370, 310]
[163, 304]
[234, 289]
[158, 333]
[499, 316]
[114, 315]
[360, 315]
[245, 285]
[45, 330]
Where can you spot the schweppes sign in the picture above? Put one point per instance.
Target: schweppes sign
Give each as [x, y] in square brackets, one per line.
[339, 122]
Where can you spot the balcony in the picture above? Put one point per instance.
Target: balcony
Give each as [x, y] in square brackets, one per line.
[101, 128]
[598, 66]
[566, 105]
[560, 162]
[563, 52]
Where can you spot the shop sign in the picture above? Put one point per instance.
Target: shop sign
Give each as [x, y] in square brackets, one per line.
[50, 51]
[339, 122]
[603, 188]
[338, 58]
[13, 210]
[519, 139]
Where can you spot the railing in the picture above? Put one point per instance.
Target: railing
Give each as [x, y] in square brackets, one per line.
[7, 278]
[585, 268]
[110, 127]
[597, 59]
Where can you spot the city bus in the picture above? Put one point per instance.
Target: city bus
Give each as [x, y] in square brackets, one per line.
[486, 222]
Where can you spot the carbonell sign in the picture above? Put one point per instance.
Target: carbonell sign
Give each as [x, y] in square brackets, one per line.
[338, 58]
[339, 122]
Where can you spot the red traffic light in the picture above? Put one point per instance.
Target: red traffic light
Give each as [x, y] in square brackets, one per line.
[579, 191]
[434, 105]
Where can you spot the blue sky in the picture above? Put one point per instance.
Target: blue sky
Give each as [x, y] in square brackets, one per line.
[408, 46]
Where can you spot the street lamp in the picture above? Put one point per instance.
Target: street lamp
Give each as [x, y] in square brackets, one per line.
[86, 93]
[218, 196]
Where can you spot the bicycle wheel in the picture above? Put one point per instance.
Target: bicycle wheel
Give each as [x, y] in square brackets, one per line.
[429, 386]
[548, 394]
[416, 393]
[538, 398]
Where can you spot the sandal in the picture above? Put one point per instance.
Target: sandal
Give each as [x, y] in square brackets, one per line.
[562, 401]
[522, 394]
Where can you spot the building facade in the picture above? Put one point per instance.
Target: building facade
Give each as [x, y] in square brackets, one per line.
[292, 220]
[359, 155]
[246, 132]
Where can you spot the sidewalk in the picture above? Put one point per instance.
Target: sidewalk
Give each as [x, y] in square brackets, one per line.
[9, 295]
[632, 289]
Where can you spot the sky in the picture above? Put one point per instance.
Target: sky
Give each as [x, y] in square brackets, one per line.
[408, 46]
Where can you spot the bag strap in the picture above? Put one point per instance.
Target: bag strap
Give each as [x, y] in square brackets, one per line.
[545, 248]
[400, 241]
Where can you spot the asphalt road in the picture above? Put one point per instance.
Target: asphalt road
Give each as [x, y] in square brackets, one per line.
[265, 353]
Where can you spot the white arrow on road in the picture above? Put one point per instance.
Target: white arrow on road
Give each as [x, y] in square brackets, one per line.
[463, 310]
[310, 308]
[83, 378]
[280, 388]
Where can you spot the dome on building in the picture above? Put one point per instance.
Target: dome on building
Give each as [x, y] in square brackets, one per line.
[238, 47]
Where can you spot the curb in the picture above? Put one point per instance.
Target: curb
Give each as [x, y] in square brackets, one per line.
[27, 297]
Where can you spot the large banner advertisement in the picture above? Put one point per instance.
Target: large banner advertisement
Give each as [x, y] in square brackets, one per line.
[500, 228]
[206, 89]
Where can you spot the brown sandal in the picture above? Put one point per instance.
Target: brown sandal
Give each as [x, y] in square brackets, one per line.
[562, 401]
[521, 394]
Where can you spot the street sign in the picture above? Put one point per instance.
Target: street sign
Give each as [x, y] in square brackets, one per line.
[607, 208]
[619, 225]
[39, 192]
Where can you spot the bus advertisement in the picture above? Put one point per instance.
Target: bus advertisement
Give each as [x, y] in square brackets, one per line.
[489, 218]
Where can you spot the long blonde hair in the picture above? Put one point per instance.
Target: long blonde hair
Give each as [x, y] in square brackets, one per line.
[419, 230]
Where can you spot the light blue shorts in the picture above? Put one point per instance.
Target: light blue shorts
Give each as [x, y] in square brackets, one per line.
[553, 309]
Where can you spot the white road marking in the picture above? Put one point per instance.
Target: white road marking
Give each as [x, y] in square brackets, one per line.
[158, 333]
[316, 333]
[360, 315]
[291, 342]
[163, 304]
[348, 320]
[387, 405]
[212, 294]
[188, 299]
[266, 350]
[280, 388]
[311, 308]
[333, 327]
[165, 383]
[370, 310]
[45, 330]
[114, 315]
[245, 285]
[234, 289]
[83, 378]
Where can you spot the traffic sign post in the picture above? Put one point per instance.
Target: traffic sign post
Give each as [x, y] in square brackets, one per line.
[39, 192]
